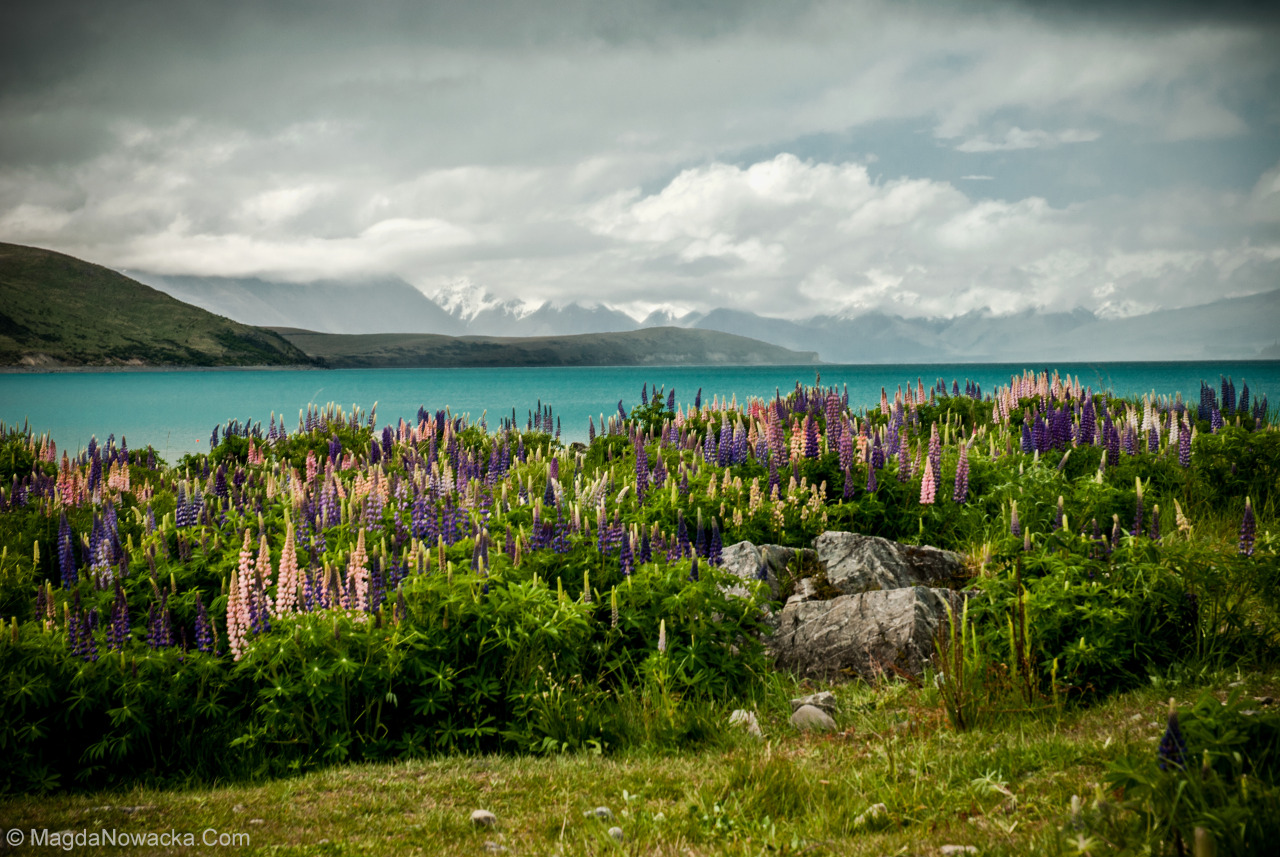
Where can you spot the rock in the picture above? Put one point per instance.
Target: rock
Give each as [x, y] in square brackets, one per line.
[616, 833]
[603, 813]
[809, 718]
[865, 634]
[746, 720]
[483, 818]
[805, 591]
[494, 847]
[826, 700]
[875, 811]
[957, 849]
[764, 562]
[856, 563]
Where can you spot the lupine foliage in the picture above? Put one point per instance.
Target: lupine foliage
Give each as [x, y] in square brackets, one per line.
[349, 591]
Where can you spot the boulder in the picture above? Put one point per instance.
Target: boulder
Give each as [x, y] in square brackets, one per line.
[808, 718]
[746, 720]
[865, 634]
[856, 563]
[763, 562]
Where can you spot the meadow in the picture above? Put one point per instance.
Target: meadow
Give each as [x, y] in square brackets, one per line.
[415, 619]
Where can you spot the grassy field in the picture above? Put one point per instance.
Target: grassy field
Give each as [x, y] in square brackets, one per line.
[1003, 790]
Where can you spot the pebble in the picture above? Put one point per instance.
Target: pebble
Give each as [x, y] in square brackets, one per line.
[238, 808]
[809, 718]
[957, 849]
[601, 812]
[494, 848]
[746, 720]
[616, 833]
[873, 812]
[257, 821]
[483, 818]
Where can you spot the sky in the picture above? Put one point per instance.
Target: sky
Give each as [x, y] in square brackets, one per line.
[787, 158]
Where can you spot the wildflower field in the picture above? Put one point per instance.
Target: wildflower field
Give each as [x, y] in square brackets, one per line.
[340, 592]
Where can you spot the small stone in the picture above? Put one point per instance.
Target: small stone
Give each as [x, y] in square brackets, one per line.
[1264, 700]
[810, 718]
[603, 813]
[957, 849]
[1236, 684]
[616, 833]
[238, 808]
[876, 810]
[746, 720]
[483, 818]
[659, 817]
[493, 847]
[256, 821]
[826, 700]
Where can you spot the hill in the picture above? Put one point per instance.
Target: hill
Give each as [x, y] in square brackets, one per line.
[659, 346]
[56, 310]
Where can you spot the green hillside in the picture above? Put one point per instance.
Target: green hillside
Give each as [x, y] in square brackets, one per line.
[56, 310]
[657, 346]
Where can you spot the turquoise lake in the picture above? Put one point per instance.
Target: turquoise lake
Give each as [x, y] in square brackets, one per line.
[176, 411]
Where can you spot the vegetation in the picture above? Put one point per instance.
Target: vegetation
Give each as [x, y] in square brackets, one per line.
[60, 311]
[341, 593]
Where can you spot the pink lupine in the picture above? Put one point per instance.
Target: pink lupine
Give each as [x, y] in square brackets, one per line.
[288, 580]
[358, 573]
[238, 600]
[928, 484]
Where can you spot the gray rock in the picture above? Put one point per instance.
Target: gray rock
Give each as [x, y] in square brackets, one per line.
[864, 634]
[746, 720]
[874, 812]
[856, 563]
[809, 718]
[616, 833]
[603, 813]
[805, 591]
[826, 700]
[764, 562]
[483, 818]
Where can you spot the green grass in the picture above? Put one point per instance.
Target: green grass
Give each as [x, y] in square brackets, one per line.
[1005, 790]
[57, 310]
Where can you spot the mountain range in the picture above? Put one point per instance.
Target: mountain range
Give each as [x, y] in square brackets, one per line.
[1226, 328]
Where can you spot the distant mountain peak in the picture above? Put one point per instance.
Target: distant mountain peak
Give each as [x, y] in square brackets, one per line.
[466, 300]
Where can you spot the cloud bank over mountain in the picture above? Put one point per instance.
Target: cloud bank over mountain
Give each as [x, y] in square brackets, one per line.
[792, 160]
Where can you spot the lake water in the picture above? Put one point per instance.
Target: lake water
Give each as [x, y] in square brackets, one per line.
[176, 411]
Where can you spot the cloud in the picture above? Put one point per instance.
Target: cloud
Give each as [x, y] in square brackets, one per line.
[1016, 138]
[595, 150]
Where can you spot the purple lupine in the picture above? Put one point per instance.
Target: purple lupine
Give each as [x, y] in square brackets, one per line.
[715, 550]
[1216, 422]
[1060, 516]
[1153, 531]
[693, 568]
[1248, 529]
[935, 451]
[1172, 752]
[591, 430]
[904, 457]
[644, 394]
[204, 628]
[1228, 396]
[1184, 447]
[642, 470]
[118, 633]
[66, 555]
[1015, 526]
[1088, 422]
[1028, 444]
[682, 535]
[709, 445]
[961, 493]
[625, 559]
[1243, 405]
[872, 484]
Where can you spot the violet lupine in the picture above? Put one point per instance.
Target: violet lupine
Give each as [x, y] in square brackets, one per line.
[872, 484]
[928, 484]
[904, 457]
[66, 555]
[1184, 447]
[1153, 531]
[625, 559]
[961, 493]
[1060, 517]
[118, 633]
[1015, 526]
[204, 628]
[810, 437]
[1172, 752]
[935, 451]
[358, 573]
[1248, 529]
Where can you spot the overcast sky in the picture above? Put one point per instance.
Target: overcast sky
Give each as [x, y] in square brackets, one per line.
[790, 158]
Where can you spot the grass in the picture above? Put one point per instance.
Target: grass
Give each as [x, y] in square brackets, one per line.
[1004, 790]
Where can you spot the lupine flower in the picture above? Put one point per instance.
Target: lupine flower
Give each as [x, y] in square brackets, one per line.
[928, 484]
[1248, 529]
[1184, 447]
[1015, 526]
[1153, 531]
[204, 628]
[1060, 516]
[1137, 514]
[1172, 752]
[693, 568]
[961, 493]
[662, 623]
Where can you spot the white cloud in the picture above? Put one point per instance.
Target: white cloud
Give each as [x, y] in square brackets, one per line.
[1016, 138]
